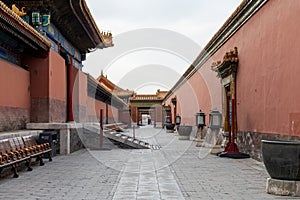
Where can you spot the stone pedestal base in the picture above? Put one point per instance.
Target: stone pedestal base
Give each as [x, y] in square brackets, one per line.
[170, 131]
[158, 125]
[283, 187]
[176, 133]
[183, 137]
[216, 149]
[199, 142]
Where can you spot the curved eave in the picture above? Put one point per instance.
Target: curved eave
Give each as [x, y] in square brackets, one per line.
[104, 38]
[98, 92]
[16, 26]
[238, 18]
[116, 90]
[82, 30]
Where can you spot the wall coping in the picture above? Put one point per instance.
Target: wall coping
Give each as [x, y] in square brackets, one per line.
[70, 125]
[19, 133]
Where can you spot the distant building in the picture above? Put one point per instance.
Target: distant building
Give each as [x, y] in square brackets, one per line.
[148, 104]
[139, 106]
[249, 69]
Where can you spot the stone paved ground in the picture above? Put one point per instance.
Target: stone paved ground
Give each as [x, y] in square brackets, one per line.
[178, 171]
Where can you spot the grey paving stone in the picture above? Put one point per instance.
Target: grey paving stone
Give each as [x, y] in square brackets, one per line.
[179, 170]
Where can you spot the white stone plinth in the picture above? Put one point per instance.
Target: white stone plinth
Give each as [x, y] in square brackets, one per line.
[283, 187]
[216, 149]
[64, 132]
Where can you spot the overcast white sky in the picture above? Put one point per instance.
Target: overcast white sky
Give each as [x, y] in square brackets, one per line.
[187, 26]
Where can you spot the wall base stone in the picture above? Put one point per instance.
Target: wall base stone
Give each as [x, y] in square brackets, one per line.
[75, 140]
[250, 142]
[12, 118]
[283, 187]
[47, 110]
[82, 114]
[58, 110]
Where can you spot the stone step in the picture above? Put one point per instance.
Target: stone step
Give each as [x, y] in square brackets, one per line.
[124, 137]
[155, 147]
[121, 138]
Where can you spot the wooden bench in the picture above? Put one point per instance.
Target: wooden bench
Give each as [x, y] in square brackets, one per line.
[18, 149]
[37, 150]
[10, 157]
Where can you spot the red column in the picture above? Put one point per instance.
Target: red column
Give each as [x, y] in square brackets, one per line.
[106, 120]
[133, 114]
[101, 128]
[70, 84]
[158, 111]
[174, 113]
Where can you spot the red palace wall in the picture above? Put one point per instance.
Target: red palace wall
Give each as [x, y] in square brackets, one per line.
[14, 96]
[93, 111]
[268, 76]
[57, 88]
[40, 94]
[201, 91]
[113, 114]
[267, 79]
[57, 84]
[83, 98]
[48, 88]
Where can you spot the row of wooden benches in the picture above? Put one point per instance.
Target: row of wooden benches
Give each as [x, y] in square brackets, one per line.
[22, 149]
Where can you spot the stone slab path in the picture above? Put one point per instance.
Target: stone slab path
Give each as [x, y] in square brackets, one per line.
[178, 170]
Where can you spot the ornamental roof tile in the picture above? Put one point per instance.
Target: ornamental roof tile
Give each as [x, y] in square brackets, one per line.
[118, 91]
[110, 96]
[159, 96]
[18, 20]
[73, 19]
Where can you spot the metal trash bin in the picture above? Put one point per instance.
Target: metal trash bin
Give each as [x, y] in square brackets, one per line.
[51, 138]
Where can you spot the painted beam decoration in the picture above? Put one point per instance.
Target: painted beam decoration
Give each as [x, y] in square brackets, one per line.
[12, 23]
[54, 34]
[46, 19]
[38, 18]
[35, 19]
[10, 48]
[38, 15]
